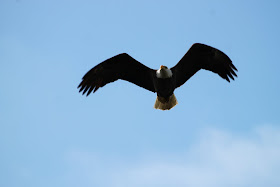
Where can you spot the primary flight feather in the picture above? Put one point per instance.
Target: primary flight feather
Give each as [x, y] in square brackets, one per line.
[163, 81]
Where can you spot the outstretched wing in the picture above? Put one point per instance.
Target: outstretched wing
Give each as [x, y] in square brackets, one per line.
[121, 66]
[202, 56]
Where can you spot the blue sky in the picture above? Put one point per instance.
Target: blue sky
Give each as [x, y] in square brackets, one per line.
[219, 134]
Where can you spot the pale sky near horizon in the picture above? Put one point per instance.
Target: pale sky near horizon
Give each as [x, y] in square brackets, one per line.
[220, 133]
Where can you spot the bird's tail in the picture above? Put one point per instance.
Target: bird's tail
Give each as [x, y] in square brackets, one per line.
[165, 104]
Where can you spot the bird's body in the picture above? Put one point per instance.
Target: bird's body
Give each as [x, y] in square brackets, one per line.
[163, 81]
[165, 86]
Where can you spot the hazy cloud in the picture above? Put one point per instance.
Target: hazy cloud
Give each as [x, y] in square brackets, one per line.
[216, 158]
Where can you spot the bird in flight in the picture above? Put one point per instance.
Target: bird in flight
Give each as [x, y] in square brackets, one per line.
[162, 81]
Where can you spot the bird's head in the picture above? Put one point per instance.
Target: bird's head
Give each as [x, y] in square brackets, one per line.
[163, 67]
[163, 72]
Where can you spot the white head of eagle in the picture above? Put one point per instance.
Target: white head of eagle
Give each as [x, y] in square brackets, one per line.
[164, 72]
[163, 81]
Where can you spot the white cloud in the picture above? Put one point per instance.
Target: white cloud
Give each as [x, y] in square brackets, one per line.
[216, 158]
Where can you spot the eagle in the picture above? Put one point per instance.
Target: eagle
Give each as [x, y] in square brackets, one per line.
[162, 81]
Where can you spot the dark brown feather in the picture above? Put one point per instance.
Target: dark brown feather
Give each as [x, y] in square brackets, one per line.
[202, 56]
[121, 66]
